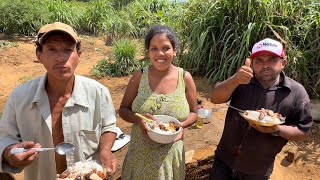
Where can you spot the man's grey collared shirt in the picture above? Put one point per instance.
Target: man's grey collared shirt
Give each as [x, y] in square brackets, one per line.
[88, 113]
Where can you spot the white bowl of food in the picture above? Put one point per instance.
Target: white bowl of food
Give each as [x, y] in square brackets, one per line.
[164, 130]
[263, 117]
[88, 169]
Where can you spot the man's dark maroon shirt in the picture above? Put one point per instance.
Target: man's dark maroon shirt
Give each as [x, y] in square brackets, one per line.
[247, 150]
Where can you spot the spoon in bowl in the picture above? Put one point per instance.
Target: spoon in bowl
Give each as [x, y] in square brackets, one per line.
[62, 149]
[240, 110]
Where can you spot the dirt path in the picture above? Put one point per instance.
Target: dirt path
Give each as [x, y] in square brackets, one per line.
[19, 64]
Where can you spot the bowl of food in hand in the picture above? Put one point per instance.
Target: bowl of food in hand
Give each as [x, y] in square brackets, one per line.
[89, 170]
[263, 117]
[164, 129]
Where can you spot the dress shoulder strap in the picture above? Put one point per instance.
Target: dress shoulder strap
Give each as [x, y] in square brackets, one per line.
[181, 84]
[144, 83]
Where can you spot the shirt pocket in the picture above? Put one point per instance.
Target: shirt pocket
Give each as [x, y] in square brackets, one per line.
[89, 141]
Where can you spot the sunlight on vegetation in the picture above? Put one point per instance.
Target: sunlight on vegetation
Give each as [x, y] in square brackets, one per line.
[215, 35]
[223, 32]
[122, 62]
[4, 43]
[24, 79]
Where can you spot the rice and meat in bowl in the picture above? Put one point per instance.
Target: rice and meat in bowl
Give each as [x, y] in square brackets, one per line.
[84, 170]
[263, 117]
[165, 128]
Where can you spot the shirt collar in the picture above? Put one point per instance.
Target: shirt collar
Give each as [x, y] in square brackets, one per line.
[77, 97]
[41, 93]
[285, 82]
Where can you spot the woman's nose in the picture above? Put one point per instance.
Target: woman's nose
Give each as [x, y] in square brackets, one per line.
[160, 52]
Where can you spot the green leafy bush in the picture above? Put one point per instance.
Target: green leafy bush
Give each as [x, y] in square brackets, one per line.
[122, 62]
[22, 16]
[24, 79]
[96, 16]
[66, 12]
[223, 32]
[145, 13]
[103, 68]
[5, 43]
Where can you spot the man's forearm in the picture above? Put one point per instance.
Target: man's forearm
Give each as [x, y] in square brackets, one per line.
[107, 140]
[222, 91]
[292, 133]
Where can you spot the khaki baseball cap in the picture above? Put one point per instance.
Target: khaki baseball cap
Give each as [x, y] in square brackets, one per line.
[56, 26]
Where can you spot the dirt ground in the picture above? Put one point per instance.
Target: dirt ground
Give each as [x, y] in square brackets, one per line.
[17, 64]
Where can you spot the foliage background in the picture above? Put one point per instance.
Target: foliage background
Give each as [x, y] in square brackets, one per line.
[215, 35]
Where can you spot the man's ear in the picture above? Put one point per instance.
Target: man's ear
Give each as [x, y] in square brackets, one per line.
[79, 53]
[284, 62]
[38, 54]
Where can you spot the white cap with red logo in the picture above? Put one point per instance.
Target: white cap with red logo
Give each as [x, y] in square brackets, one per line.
[268, 45]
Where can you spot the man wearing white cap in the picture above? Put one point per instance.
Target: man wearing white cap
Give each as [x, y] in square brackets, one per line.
[247, 151]
[57, 107]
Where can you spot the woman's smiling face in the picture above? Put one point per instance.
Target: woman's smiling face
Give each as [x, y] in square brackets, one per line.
[161, 52]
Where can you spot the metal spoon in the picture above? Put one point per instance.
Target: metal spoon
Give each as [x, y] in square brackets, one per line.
[62, 149]
[242, 111]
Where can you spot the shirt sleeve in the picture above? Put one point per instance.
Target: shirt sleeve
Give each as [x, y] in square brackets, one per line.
[302, 111]
[9, 134]
[108, 113]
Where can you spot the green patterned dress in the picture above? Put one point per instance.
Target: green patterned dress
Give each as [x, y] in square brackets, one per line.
[148, 160]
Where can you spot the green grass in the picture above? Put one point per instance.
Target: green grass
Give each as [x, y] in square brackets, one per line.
[216, 35]
[223, 33]
[121, 63]
[24, 79]
[5, 43]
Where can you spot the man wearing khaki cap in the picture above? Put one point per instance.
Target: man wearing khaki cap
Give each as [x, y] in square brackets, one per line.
[57, 107]
[247, 151]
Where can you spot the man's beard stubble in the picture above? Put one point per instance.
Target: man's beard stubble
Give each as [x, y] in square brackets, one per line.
[272, 75]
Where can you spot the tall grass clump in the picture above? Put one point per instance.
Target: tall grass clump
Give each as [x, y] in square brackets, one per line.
[96, 16]
[124, 53]
[142, 14]
[145, 13]
[123, 61]
[66, 12]
[5, 43]
[223, 33]
[22, 16]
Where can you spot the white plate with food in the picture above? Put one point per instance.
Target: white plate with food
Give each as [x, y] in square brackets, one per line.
[89, 170]
[263, 117]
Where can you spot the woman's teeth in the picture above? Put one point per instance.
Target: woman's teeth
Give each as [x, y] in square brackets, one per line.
[161, 60]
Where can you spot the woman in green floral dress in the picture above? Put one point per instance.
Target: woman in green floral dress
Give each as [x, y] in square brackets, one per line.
[161, 88]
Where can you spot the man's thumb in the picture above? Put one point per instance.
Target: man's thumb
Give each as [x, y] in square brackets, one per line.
[248, 62]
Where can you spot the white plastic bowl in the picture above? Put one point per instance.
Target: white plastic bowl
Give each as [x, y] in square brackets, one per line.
[162, 137]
